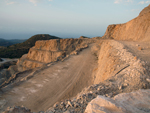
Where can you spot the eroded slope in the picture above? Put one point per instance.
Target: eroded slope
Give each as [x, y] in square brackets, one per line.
[137, 29]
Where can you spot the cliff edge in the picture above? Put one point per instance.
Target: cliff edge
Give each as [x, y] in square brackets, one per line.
[137, 29]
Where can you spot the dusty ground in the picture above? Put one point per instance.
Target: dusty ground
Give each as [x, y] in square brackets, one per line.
[58, 81]
[62, 80]
[130, 73]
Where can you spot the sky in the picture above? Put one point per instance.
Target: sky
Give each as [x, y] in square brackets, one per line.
[21, 19]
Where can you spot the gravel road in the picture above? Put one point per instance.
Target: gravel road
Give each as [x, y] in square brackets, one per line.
[59, 81]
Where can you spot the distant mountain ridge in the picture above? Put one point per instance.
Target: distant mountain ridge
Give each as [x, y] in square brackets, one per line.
[5, 43]
[17, 50]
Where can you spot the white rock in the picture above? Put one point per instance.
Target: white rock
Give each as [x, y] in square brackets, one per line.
[103, 104]
[69, 103]
[76, 105]
[148, 80]
[134, 102]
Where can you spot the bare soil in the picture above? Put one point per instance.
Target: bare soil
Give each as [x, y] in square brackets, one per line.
[58, 81]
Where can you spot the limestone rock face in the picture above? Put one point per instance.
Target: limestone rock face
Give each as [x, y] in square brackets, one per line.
[137, 29]
[48, 51]
[43, 54]
[134, 102]
[107, 58]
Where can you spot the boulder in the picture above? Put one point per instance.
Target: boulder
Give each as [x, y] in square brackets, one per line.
[134, 102]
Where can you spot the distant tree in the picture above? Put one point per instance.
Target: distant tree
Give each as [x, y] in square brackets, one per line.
[17, 50]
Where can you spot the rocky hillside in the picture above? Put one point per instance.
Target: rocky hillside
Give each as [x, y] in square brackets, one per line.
[135, 30]
[49, 51]
[43, 54]
[17, 50]
[118, 72]
[5, 43]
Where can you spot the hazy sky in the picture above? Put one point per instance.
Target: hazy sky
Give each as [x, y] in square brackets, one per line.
[64, 18]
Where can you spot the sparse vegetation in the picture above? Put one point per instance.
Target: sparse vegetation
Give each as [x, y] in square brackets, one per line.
[17, 50]
[5, 43]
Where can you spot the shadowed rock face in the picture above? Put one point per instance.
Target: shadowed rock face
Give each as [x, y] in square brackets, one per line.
[136, 29]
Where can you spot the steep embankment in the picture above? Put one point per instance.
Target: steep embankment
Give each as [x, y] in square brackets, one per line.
[49, 51]
[17, 50]
[126, 72]
[137, 29]
[41, 54]
[52, 83]
[121, 71]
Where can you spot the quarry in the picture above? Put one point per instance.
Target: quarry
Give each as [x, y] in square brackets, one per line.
[109, 74]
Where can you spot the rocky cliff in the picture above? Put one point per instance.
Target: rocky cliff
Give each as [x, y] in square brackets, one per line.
[42, 54]
[49, 51]
[137, 29]
[17, 50]
[122, 70]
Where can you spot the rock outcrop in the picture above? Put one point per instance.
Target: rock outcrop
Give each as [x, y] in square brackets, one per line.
[137, 29]
[49, 51]
[134, 102]
[42, 54]
[17, 50]
[118, 71]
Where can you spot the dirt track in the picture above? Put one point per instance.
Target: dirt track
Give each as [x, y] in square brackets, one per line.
[61, 80]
